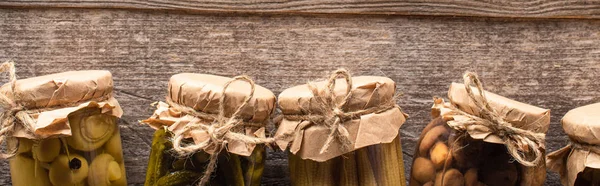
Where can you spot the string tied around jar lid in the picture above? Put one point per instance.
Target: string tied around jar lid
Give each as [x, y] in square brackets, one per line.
[220, 130]
[585, 146]
[331, 113]
[8, 117]
[523, 145]
[18, 117]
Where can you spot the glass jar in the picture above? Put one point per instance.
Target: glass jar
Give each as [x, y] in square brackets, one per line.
[73, 141]
[194, 99]
[448, 156]
[374, 153]
[165, 168]
[578, 162]
[372, 165]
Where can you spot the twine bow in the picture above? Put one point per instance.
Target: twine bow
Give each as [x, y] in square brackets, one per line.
[220, 130]
[522, 144]
[13, 114]
[332, 114]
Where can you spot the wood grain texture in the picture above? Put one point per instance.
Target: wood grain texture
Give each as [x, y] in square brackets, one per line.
[485, 8]
[554, 64]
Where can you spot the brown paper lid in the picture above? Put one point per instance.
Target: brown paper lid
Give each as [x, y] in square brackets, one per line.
[519, 114]
[583, 124]
[202, 92]
[299, 99]
[61, 88]
[369, 129]
[64, 93]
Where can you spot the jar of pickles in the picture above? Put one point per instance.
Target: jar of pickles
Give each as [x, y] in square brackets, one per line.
[481, 138]
[65, 131]
[210, 131]
[579, 162]
[342, 132]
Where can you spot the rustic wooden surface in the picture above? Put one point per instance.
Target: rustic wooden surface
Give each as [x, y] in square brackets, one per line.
[551, 63]
[485, 8]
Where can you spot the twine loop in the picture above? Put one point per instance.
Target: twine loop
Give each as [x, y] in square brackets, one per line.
[523, 145]
[220, 130]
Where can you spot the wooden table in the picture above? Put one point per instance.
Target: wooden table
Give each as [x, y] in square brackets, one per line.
[545, 53]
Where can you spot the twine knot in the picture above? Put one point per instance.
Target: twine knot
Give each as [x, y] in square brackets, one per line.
[523, 145]
[12, 113]
[331, 113]
[220, 130]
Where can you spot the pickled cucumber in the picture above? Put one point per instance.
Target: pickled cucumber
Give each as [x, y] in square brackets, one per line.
[229, 169]
[178, 178]
[22, 172]
[90, 129]
[46, 150]
[253, 166]
[103, 170]
[68, 170]
[158, 163]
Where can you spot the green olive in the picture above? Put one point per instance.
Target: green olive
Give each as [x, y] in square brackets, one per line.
[90, 129]
[68, 170]
[104, 170]
[22, 172]
[46, 150]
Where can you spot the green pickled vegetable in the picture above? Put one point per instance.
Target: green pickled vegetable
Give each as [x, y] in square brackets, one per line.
[253, 166]
[158, 162]
[178, 178]
[229, 169]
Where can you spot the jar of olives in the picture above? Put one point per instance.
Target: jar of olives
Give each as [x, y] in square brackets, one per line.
[342, 131]
[66, 131]
[210, 131]
[579, 162]
[481, 138]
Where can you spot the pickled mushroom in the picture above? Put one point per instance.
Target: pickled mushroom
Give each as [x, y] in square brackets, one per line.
[90, 129]
[114, 148]
[68, 170]
[46, 150]
[24, 145]
[123, 180]
[103, 170]
[440, 155]
[423, 170]
[431, 137]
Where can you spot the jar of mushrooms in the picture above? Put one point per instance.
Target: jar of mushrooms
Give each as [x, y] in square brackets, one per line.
[65, 131]
[481, 138]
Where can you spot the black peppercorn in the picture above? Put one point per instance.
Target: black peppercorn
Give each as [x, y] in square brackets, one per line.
[75, 164]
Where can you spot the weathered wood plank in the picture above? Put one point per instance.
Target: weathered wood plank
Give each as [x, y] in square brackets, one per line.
[551, 63]
[487, 8]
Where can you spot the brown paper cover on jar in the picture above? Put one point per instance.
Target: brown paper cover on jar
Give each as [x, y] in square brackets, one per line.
[581, 125]
[51, 98]
[202, 93]
[369, 129]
